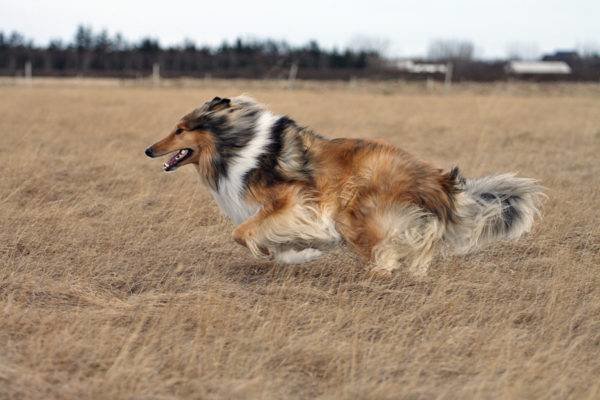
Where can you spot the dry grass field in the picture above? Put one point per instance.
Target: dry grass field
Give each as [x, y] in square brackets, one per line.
[118, 281]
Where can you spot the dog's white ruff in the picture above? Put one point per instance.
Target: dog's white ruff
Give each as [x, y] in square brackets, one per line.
[229, 197]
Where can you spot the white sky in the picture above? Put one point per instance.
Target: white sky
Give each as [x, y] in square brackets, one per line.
[409, 25]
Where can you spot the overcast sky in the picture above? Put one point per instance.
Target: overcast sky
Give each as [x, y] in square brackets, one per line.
[409, 26]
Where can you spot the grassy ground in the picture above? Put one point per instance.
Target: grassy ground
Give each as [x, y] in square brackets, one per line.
[120, 281]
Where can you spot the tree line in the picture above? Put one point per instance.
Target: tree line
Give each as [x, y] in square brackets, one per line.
[99, 54]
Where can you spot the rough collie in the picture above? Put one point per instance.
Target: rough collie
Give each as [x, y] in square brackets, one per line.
[294, 194]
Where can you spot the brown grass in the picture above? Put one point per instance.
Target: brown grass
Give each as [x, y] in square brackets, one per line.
[120, 281]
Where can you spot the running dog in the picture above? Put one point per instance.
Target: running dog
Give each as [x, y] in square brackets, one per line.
[294, 194]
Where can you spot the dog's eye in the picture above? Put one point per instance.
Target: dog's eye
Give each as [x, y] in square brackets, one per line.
[178, 131]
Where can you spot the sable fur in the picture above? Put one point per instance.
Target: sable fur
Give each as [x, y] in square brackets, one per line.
[293, 193]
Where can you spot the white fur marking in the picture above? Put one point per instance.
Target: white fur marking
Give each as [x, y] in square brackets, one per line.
[230, 194]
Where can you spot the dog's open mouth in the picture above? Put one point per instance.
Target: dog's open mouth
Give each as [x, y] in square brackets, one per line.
[176, 159]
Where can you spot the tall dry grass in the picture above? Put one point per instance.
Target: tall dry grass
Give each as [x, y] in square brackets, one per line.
[120, 281]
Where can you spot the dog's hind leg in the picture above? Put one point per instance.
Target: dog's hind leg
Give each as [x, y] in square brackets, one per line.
[387, 256]
[390, 237]
[412, 236]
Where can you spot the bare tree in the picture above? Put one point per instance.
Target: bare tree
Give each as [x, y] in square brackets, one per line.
[84, 39]
[451, 50]
[369, 44]
[589, 49]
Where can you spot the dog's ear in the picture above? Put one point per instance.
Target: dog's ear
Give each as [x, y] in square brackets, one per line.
[218, 104]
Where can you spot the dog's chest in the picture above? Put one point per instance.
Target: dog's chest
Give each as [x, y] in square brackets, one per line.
[232, 203]
[230, 195]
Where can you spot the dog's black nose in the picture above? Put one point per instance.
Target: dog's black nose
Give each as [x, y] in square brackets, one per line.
[149, 152]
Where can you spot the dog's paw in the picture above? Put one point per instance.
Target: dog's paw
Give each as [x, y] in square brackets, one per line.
[242, 235]
[419, 272]
[380, 274]
[247, 238]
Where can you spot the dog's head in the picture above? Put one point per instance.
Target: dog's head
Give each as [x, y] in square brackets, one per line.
[193, 137]
[209, 135]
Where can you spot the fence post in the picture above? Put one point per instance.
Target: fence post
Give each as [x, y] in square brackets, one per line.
[448, 77]
[429, 83]
[155, 74]
[28, 72]
[292, 76]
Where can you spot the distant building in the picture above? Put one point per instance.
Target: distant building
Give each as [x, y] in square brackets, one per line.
[420, 68]
[571, 57]
[538, 68]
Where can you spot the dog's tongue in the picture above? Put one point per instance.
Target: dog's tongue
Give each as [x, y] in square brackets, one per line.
[175, 159]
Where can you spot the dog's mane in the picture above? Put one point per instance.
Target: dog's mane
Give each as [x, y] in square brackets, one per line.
[248, 129]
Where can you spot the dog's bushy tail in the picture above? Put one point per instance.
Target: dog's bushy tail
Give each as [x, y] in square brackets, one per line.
[499, 207]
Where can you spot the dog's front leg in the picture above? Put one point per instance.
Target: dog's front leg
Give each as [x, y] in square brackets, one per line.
[248, 234]
[287, 228]
[256, 233]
